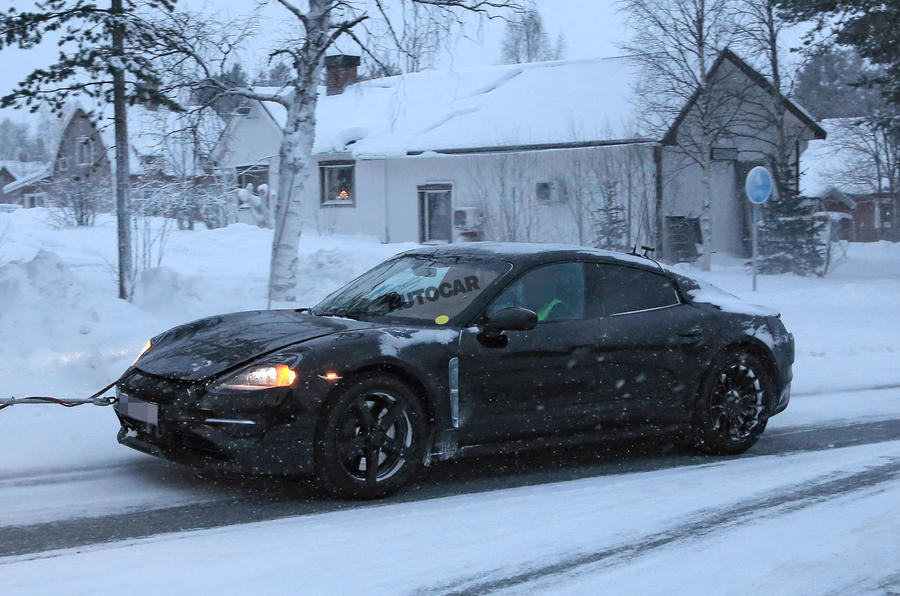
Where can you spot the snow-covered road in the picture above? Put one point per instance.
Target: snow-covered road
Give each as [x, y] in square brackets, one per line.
[823, 482]
[140, 484]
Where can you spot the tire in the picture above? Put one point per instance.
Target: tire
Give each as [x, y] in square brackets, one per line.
[375, 419]
[734, 404]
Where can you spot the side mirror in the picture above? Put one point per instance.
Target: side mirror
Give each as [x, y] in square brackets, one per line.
[514, 318]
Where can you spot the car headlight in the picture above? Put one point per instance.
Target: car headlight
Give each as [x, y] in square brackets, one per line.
[146, 347]
[260, 376]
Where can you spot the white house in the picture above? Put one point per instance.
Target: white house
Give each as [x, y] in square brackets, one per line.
[548, 151]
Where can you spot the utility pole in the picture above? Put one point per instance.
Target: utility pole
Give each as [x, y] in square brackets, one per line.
[123, 208]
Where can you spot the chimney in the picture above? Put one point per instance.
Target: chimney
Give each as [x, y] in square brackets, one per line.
[340, 71]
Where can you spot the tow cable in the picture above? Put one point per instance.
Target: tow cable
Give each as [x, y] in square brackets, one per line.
[95, 399]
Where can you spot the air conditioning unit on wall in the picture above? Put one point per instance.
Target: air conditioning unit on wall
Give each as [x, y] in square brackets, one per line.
[467, 219]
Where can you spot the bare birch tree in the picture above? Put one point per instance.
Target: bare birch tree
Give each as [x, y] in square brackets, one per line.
[676, 43]
[525, 40]
[320, 25]
[504, 191]
[408, 35]
[871, 160]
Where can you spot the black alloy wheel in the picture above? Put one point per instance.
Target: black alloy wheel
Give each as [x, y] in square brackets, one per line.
[372, 438]
[734, 405]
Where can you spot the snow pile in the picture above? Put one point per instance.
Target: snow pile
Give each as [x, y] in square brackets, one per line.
[47, 320]
[63, 331]
[160, 289]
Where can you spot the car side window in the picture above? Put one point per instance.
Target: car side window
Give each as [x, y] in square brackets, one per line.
[554, 292]
[617, 289]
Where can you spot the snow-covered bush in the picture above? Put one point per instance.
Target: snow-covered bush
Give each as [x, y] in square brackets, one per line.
[75, 202]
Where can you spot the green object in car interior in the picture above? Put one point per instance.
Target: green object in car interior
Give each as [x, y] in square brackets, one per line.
[545, 312]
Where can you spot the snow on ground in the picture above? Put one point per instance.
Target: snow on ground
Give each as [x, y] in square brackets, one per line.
[846, 325]
[63, 332]
[469, 542]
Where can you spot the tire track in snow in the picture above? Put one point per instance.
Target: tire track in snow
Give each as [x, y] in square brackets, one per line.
[848, 389]
[774, 504]
[260, 499]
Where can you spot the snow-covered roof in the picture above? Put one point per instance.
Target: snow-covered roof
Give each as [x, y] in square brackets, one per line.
[20, 169]
[829, 163]
[45, 170]
[498, 106]
[54, 138]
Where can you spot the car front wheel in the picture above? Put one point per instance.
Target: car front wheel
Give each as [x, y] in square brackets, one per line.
[733, 405]
[371, 440]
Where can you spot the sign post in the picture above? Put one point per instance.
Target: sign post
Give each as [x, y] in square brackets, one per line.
[758, 187]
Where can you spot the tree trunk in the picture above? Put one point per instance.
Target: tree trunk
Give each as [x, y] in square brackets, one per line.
[294, 166]
[294, 157]
[123, 210]
[705, 214]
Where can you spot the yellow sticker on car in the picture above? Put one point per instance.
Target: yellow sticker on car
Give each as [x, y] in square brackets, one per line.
[441, 319]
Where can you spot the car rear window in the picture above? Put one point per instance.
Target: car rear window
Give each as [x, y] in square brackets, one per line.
[617, 289]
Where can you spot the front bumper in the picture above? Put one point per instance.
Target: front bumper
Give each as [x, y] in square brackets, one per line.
[263, 441]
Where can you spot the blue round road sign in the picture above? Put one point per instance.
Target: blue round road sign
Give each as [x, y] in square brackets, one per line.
[758, 185]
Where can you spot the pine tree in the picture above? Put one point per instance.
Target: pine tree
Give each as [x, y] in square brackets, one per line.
[789, 236]
[827, 86]
[609, 221]
[105, 54]
[870, 26]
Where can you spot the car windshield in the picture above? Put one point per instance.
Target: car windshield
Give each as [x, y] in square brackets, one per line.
[417, 287]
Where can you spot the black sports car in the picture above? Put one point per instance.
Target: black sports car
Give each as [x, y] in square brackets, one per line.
[443, 350]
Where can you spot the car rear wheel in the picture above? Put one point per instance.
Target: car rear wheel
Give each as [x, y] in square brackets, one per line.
[371, 440]
[733, 405]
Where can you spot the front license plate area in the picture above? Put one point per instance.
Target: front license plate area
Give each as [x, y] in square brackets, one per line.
[137, 409]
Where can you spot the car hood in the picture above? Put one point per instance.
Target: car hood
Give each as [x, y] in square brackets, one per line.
[207, 347]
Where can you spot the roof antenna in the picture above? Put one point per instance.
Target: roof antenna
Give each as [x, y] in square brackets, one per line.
[637, 236]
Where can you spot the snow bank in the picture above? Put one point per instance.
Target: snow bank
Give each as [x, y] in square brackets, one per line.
[161, 288]
[63, 331]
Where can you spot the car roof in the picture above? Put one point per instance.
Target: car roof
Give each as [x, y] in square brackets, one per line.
[527, 254]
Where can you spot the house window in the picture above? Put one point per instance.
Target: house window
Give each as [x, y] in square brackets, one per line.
[337, 183]
[255, 176]
[550, 192]
[724, 153]
[885, 214]
[84, 151]
[62, 163]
